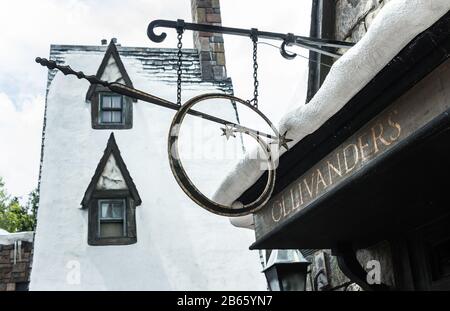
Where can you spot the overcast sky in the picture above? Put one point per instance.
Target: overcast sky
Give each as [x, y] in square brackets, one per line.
[28, 27]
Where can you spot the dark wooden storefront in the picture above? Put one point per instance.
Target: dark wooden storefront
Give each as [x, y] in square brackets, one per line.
[379, 170]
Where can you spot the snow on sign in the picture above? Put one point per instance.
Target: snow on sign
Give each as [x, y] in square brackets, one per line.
[266, 142]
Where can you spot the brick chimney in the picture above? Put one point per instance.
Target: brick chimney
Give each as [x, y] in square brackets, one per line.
[209, 45]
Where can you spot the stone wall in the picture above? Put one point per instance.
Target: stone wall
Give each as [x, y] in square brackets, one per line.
[354, 17]
[336, 280]
[333, 279]
[15, 266]
[210, 46]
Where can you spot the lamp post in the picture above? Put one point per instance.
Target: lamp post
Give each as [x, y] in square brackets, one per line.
[286, 270]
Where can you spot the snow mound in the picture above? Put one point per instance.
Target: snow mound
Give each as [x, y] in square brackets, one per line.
[7, 238]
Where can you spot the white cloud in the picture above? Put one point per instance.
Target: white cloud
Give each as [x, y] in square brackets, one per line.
[28, 28]
[20, 137]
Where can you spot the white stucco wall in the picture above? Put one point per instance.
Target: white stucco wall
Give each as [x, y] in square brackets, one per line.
[180, 246]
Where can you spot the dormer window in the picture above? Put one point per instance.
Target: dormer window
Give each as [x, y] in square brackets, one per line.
[112, 218]
[111, 200]
[110, 110]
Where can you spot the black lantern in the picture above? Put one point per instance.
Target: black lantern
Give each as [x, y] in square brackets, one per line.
[286, 270]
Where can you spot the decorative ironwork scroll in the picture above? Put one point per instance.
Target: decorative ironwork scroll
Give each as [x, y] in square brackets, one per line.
[319, 45]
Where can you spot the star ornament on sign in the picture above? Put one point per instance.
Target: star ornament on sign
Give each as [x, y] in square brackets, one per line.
[228, 131]
[283, 141]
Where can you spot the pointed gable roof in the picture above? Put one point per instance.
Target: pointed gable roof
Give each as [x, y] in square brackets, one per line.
[111, 54]
[111, 157]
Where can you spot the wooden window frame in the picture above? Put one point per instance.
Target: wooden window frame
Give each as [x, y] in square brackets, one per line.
[414, 258]
[323, 19]
[127, 111]
[95, 90]
[94, 218]
[111, 109]
[93, 195]
[102, 220]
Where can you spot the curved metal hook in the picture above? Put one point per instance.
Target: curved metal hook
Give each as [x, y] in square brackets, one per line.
[285, 53]
[151, 31]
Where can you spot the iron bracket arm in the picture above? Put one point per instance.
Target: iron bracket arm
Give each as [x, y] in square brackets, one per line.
[145, 97]
[323, 46]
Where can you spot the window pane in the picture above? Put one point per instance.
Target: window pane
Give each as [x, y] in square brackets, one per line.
[111, 229]
[106, 210]
[106, 116]
[106, 102]
[116, 102]
[117, 210]
[112, 210]
[116, 117]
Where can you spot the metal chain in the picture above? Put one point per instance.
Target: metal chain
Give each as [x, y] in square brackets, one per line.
[179, 63]
[255, 71]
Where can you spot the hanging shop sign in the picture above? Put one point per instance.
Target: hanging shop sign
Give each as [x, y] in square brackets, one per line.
[265, 141]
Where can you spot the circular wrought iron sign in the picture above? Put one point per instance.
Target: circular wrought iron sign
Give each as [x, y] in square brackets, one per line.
[185, 182]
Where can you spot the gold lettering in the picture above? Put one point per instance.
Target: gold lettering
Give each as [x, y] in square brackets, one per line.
[285, 213]
[320, 180]
[363, 147]
[275, 204]
[331, 167]
[308, 188]
[295, 202]
[379, 137]
[301, 193]
[356, 158]
[394, 125]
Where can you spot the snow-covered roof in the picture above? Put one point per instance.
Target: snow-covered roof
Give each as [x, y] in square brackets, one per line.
[158, 64]
[397, 24]
[7, 238]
